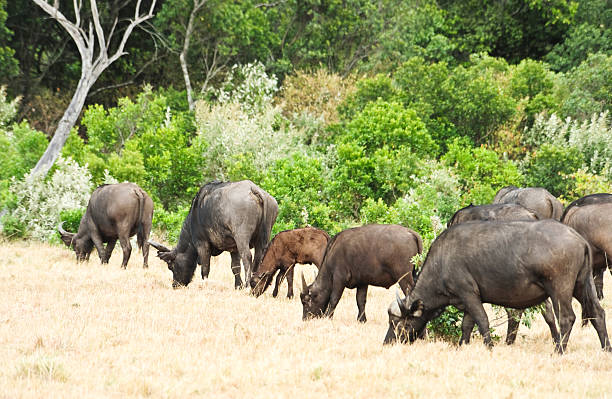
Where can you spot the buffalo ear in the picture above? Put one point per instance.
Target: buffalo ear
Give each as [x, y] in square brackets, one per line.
[167, 257]
[416, 308]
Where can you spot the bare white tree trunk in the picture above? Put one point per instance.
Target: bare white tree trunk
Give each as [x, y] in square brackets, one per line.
[92, 66]
[197, 6]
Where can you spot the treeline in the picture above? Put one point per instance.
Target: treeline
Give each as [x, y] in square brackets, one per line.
[39, 61]
[389, 111]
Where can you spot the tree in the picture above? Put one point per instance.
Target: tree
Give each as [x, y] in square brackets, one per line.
[89, 42]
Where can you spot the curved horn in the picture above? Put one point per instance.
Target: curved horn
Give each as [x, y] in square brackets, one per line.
[66, 236]
[401, 303]
[61, 229]
[304, 285]
[159, 247]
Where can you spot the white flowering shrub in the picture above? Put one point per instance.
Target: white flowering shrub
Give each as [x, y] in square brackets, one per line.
[248, 85]
[8, 109]
[39, 200]
[229, 131]
[593, 138]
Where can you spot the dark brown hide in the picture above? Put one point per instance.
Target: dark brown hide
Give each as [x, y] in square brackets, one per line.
[114, 212]
[537, 199]
[497, 212]
[304, 246]
[492, 212]
[375, 254]
[594, 223]
[224, 216]
[514, 264]
[587, 200]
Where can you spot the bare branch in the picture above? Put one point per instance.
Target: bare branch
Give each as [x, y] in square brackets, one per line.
[77, 12]
[73, 30]
[126, 34]
[99, 31]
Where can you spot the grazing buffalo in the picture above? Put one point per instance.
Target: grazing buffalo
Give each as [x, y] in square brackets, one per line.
[224, 216]
[114, 211]
[594, 223]
[305, 246]
[537, 199]
[497, 212]
[492, 212]
[587, 200]
[374, 254]
[515, 264]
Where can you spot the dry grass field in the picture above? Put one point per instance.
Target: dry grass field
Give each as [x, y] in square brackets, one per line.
[71, 330]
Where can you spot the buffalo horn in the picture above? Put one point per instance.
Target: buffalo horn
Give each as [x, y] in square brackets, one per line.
[304, 285]
[61, 229]
[159, 246]
[401, 302]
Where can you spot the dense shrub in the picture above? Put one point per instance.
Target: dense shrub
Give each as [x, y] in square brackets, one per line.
[481, 172]
[38, 200]
[551, 166]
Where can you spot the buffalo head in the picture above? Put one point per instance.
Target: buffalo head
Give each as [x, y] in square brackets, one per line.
[181, 265]
[314, 301]
[259, 282]
[406, 320]
[82, 243]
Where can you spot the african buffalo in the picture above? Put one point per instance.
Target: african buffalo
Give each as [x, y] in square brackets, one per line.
[594, 223]
[515, 264]
[305, 246]
[114, 211]
[224, 216]
[374, 254]
[492, 212]
[587, 200]
[497, 212]
[537, 199]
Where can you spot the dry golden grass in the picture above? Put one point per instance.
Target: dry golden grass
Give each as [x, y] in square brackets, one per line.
[88, 331]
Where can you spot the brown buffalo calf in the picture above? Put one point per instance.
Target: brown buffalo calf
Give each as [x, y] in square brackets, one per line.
[305, 246]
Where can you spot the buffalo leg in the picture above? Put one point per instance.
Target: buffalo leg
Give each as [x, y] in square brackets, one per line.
[564, 313]
[362, 294]
[549, 318]
[474, 307]
[245, 256]
[236, 269]
[279, 280]
[336, 294]
[514, 321]
[145, 246]
[126, 246]
[467, 326]
[598, 275]
[594, 312]
[290, 273]
[97, 240]
[204, 258]
[110, 246]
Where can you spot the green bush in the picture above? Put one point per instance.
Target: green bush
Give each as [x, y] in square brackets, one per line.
[551, 167]
[168, 225]
[481, 172]
[71, 218]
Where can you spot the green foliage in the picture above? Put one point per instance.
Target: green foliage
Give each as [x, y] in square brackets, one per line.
[481, 172]
[551, 167]
[298, 183]
[169, 224]
[9, 66]
[376, 153]
[22, 147]
[71, 218]
[448, 325]
[589, 88]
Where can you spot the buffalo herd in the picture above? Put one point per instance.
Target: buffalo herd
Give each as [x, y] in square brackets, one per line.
[522, 250]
